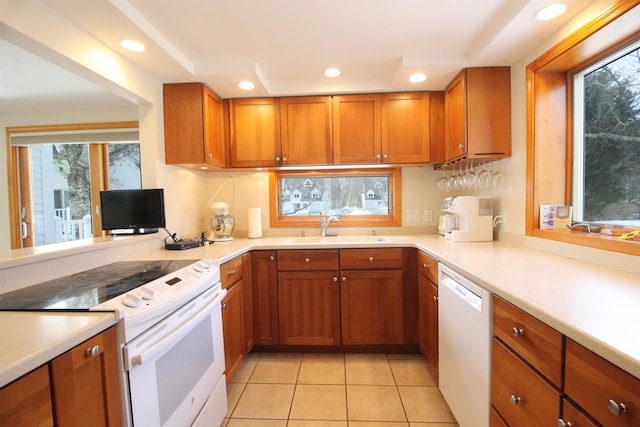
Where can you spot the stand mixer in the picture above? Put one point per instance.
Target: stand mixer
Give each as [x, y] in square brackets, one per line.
[221, 222]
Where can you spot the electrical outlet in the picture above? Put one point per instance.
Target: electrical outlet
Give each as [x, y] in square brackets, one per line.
[413, 215]
[428, 215]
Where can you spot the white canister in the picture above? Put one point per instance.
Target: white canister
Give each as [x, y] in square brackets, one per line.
[255, 223]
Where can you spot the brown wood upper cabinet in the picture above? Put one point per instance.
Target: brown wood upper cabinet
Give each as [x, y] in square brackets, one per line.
[193, 126]
[356, 129]
[254, 132]
[405, 123]
[478, 114]
[305, 125]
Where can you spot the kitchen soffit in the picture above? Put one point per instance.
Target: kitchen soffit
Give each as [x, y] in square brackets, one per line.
[283, 45]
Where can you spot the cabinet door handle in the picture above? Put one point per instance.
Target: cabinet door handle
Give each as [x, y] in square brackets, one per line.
[435, 298]
[344, 278]
[562, 423]
[517, 332]
[335, 279]
[425, 266]
[616, 408]
[384, 156]
[307, 260]
[272, 258]
[461, 146]
[94, 351]
[210, 156]
[232, 272]
[378, 156]
[370, 259]
[223, 305]
[515, 400]
[284, 159]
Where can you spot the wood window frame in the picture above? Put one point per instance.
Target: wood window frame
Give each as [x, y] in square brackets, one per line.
[550, 122]
[19, 155]
[394, 219]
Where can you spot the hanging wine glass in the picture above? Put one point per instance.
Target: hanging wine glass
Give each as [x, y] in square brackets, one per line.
[498, 178]
[442, 182]
[482, 177]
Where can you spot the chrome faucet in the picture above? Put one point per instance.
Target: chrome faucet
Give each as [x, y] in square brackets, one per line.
[324, 223]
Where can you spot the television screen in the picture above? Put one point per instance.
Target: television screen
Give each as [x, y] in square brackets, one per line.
[132, 211]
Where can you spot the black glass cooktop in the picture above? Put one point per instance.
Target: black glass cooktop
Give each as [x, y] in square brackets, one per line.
[88, 288]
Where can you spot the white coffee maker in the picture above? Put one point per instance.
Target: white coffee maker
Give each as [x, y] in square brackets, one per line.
[474, 218]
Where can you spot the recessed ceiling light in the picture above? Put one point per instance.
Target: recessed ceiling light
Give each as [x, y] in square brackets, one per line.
[332, 72]
[246, 85]
[550, 12]
[133, 45]
[417, 78]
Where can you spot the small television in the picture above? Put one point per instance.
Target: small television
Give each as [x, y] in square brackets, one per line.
[132, 211]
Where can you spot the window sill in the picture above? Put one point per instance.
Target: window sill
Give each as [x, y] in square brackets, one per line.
[593, 240]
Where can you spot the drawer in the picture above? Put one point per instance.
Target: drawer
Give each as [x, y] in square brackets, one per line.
[520, 395]
[307, 260]
[428, 267]
[574, 417]
[231, 272]
[594, 384]
[537, 343]
[368, 259]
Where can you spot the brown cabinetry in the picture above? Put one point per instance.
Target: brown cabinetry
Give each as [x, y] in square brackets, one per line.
[27, 400]
[606, 392]
[264, 275]
[86, 383]
[478, 114]
[193, 126]
[405, 123]
[371, 296]
[305, 126]
[428, 309]
[308, 297]
[254, 132]
[356, 129]
[233, 316]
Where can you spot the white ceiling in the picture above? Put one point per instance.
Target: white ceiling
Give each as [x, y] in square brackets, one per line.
[284, 45]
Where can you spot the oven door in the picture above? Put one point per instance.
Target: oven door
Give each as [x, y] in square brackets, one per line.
[175, 366]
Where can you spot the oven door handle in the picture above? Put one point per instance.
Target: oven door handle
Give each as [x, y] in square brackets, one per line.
[177, 334]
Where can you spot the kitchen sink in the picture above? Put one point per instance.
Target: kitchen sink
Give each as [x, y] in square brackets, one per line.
[337, 239]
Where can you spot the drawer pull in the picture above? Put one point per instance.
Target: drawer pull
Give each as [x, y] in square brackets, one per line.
[515, 400]
[223, 306]
[370, 259]
[307, 260]
[425, 266]
[617, 409]
[272, 258]
[335, 279]
[232, 272]
[562, 423]
[517, 332]
[435, 298]
[94, 351]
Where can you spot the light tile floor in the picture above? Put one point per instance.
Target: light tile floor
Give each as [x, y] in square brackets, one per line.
[335, 390]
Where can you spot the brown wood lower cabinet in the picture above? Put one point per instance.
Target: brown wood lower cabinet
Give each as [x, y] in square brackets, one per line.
[428, 309]
[309, 307]
[86, 383]
[233, 327]
[574, 417]
[518, 393]
[371, 307]
[27, 400]
[264, 275]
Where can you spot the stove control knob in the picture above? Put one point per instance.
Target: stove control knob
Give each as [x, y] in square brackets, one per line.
[146, 292]
[198, 267]
[131, 300]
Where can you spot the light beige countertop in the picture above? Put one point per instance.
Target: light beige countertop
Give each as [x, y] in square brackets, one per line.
[31, 339]
[596, 306]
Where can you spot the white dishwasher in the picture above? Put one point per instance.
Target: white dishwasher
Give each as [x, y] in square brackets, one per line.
[464, 331]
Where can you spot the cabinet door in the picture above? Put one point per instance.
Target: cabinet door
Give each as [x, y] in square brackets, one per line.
[27, 400]
[233, 328]
[306, 132]
[86, 383]
[356, 129]
[432, 326]
[248, 303]
[406, 128]
[265, 297]
[309, 307]
[371, 307]
[423, 315]
[214, 148]
[254, 128]
[455, 117]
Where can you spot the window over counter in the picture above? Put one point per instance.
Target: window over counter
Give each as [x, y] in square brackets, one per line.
[362, 198]
[583, 132]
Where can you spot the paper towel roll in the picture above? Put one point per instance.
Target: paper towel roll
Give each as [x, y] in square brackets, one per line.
[255, 223]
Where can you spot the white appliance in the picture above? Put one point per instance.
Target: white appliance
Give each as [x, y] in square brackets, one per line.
[464, 347]
[222, 222]
[474, 218]
[173, 348]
